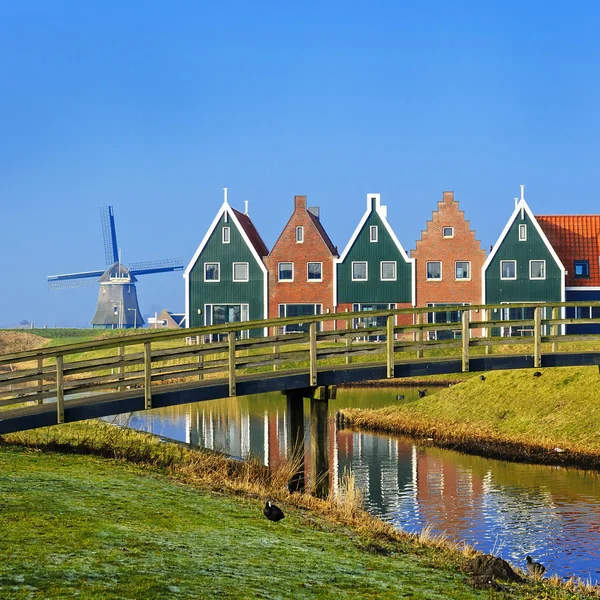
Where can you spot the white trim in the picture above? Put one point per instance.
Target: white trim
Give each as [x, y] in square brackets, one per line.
[427, 278]
[300, 238]
[373, 229]
[382, 213]
[360, 262]
[523, 227]
[462, 278]
[522, 205]
[228, 212]
[447, 236]
[285, 262]
[537, 278]
[233, 279]
[509, 260]
[393, 262]
[314, 262]
[210, 262]
[583, 289]
[228, 230]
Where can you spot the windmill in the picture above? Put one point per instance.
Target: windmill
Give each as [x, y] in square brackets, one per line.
[117, 299]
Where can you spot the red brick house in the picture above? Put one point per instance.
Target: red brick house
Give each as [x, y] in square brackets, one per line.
[300, 267]
[449, 261]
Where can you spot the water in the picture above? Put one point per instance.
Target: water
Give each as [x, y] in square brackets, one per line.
[508, 509]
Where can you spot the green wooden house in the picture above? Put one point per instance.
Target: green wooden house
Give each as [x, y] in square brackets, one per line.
[226, 280]
[521, 267]
[374, 272]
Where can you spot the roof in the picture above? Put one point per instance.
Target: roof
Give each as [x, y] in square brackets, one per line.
[251, 232]
[575, 237]
[323, 233]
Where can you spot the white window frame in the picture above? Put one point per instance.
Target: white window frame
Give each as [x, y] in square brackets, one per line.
[247, 265]
[439, 262]
[501, 270]
[451, 234]
[219, 269]
[522, 232]
[226, 235]
[468, 262]
[285, 262]
[321, 271]
[544, 268]
[374, 233]
[388, 262]
[299, 234]
[360, 262]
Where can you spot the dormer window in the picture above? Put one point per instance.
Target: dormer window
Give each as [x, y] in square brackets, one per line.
[299, 235]
[522, 233]
[374, 233]
[448, 232]
[582, 268]
[226, 238]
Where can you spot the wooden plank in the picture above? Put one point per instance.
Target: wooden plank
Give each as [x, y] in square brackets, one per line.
[465, 341]
[40, 386]
[555, 328]
[419, 334]
[313, 354]
[60, 397]
[537, 337]
[121, 367]
[231, 365]
[147, 375]
[390, 346]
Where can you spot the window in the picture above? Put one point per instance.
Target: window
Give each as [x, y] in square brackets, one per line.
[582, 268]
[508, 269]
[240, 271]
[374, 233]
[522, 233]
[388, 270]
[359, 271]
[286, 271]
[300, 310]
[314, 271]
[434, 270]
[448, 232]
[463, 269]
[537, 269]
[299, 235]
[226, 238]
[211, 272]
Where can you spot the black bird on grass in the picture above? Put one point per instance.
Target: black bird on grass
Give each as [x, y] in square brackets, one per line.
[535, 568]
[482, 377]
[537, 374]
[422, 393]
[400, 397]
[272, 512]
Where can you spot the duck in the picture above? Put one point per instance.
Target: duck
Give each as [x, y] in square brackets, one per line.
[482, 377]
[535, 568]
[537, 374]
[422, 393]
[272, 512]
[400, 397]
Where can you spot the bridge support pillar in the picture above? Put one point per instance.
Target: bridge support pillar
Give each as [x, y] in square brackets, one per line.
[295, 435]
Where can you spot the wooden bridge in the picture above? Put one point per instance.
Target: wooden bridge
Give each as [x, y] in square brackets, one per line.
[137, 371]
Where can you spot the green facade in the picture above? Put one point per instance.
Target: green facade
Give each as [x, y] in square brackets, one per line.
[226, 291]
[374, 289]
[523, 288]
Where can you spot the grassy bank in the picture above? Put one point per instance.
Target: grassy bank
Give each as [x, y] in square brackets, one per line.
[95, 512]
[511, 414]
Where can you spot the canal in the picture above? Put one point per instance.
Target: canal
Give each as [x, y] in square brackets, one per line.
[508, 509]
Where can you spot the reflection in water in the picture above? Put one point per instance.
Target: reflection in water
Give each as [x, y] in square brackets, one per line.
[509, 509]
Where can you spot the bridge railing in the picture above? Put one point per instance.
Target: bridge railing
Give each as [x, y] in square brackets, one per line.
[141, 362]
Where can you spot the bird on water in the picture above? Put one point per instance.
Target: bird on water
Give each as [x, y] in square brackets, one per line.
[272, 512]
[535, 568]
[422, 393]
[400, 397]
[537, 374]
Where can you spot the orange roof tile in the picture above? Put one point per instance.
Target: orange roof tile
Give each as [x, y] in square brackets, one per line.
[575, 237]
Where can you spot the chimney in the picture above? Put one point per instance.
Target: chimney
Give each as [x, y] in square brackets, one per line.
[516, 202]
[315, 211]
[448, 196]
[225, 194]
[245, 207]
[299, 203]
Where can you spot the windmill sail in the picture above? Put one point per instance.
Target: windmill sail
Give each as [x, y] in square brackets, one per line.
[109, 232]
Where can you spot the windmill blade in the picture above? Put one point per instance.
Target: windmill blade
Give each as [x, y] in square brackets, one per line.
[71, 280]
[156, 266]
[109, 232]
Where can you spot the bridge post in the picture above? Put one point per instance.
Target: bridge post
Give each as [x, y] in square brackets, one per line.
[420, 334]
[295, 435]
[231, 340]
[121, 366]
[60, 390]
[537, 337]
[390, 346]
[313, 353]
[200, 366]
[319, 441]
[555, 328]
[275, 352]
[465, 341]
[348, 341]
[147, 376]
[40, 370]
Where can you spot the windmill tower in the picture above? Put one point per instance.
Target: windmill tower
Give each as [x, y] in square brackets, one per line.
[117, 298]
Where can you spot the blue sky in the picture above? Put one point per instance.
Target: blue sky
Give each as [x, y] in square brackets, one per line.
[154, 107]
